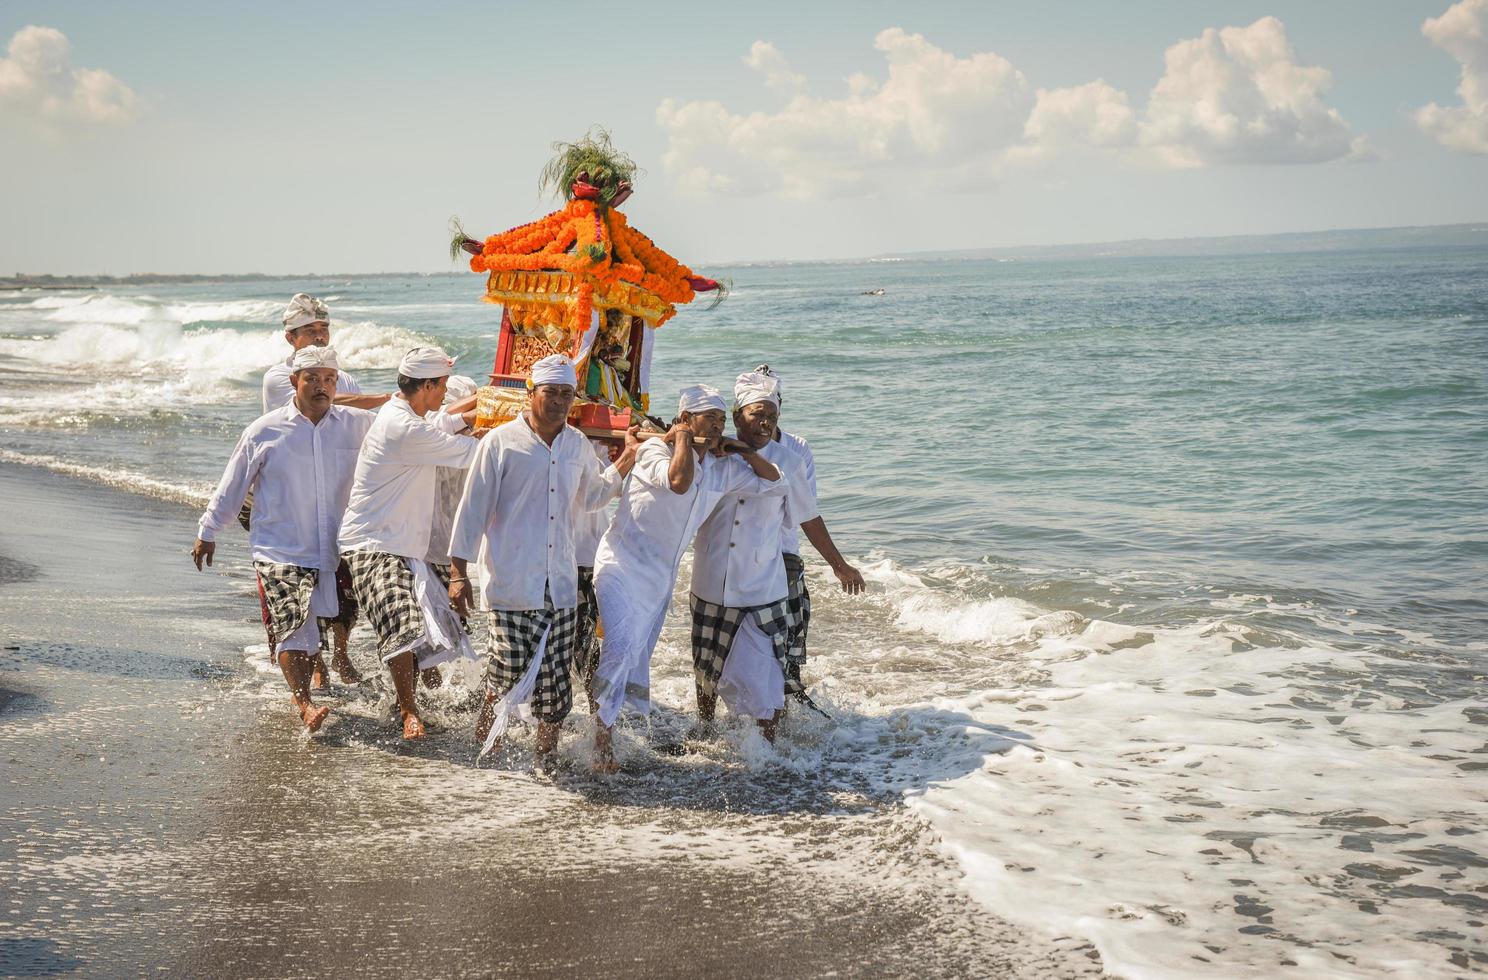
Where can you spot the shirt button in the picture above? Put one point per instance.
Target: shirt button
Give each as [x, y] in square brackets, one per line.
[741, 500]
[736, 523]
[731, 544]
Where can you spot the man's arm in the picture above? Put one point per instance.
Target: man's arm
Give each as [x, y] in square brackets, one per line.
[226, 501]
[473, 516]
[683, 467]
[426, 443]
[599, 484]
[359, 400]
[850, 577]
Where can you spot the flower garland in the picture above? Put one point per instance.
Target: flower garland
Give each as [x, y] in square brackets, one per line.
[595, 244]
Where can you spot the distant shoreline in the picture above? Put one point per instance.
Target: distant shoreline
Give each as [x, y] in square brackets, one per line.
[1464, 235]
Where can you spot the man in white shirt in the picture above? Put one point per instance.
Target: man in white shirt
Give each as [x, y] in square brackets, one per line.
[298, 460]
[307, 323]
[529, 478]
[673, 487]
[385, 531]
[766, 425]
[741, 621]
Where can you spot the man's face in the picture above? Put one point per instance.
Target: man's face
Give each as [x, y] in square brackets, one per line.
[756, 423]
[552, 403]
[315, 388]
[707, 425]
[317, 334]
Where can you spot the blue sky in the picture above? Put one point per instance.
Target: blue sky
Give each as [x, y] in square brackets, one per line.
[340, 137]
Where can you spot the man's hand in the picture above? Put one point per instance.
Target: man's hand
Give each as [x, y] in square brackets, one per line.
[632, 439]
[459, 596]
[729, 446]
[851, 579]
[681, 431]
[203, 550]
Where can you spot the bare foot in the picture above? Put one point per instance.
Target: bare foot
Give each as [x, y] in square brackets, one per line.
[318, 677]
[413, 726]
[604, 751]
[547, 740]
[341, 663]
[313, 716]
[431, 678]
[485, 720]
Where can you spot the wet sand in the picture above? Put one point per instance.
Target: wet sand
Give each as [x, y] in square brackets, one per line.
[161, 813]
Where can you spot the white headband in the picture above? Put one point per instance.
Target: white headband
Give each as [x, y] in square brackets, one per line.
[555, 369]
[303, 310]
[313, 357]
[700, 398]
[425, 362]
[756, 387]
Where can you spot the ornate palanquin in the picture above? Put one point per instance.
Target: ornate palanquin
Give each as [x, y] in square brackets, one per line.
[581, 282]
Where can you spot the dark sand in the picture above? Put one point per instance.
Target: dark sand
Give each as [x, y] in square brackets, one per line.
[161, 813]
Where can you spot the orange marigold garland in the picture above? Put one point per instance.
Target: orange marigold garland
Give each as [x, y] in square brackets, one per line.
[552, 274]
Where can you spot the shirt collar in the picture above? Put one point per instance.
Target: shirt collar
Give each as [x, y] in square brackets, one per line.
[531, 432]
[333, 414]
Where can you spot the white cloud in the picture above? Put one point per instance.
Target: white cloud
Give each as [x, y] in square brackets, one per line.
[1462, 31]
[766, 59]
[1234, 95]
[935, 115]
[1094, 114]
[1237, 95]
[38, 83]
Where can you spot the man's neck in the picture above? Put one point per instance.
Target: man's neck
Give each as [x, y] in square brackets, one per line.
[416, 410]
[546, 436]
[312, 415]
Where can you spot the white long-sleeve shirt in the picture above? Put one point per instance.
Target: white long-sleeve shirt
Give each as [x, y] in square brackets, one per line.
[278, 389]
[736, 557]
[391, 508]
[590, 525]
[805, 465]
[522, 498]
[300, 474]
[653, 525]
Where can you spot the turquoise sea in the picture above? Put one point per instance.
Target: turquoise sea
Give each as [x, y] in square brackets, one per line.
[1202, 542]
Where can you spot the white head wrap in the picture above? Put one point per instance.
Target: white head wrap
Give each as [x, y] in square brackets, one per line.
[700, 398]
[313, 357]
[425, 362]
[756, 387]
[555, 369]
[458, 387]
[303, 310]
[765, 370]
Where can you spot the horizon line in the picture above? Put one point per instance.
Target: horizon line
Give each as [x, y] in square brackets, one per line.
[1479, 225]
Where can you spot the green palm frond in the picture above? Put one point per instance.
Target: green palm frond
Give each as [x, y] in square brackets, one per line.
[593, 155]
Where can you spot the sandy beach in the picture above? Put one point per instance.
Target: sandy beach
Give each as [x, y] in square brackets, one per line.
[163, 814]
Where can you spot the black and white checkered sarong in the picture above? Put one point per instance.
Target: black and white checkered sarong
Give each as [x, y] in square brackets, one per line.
[800, 607]
[286, 594]
[515, 635]
[384, 589]
[714, 628]
[586, 631]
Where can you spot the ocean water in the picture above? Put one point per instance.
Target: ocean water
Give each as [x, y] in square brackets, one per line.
[1175, 642]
